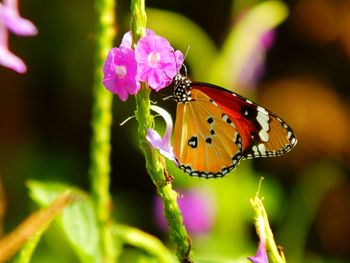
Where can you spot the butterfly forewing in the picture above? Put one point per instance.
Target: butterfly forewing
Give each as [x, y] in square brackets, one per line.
[206, 143]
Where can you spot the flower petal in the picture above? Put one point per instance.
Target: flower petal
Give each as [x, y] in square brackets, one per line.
[261, 255]
[127, 38]
[157, 62]
[120, 72]
[10, 60]
[15, 23]
[157, 142]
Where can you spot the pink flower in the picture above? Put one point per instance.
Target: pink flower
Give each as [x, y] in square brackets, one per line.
[261, 254]
[11, 20]
[157, 142]
[7, 58]
[120, 70]
[157, 62]
[15, 23]
[254, 67]
[154, 61]
[127, 38]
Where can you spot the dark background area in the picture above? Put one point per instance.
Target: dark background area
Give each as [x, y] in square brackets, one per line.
[45, 113]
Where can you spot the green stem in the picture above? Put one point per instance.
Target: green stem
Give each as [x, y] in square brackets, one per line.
[263, 229]
[154, 161]
[101, 128]
[142, 240]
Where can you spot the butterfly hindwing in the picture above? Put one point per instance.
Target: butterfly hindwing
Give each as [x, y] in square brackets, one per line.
[207, 143]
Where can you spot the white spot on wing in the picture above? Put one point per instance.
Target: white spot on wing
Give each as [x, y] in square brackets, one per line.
[293, 141]
[261, 109]
[263, 136]
[255, 150]
[263, 120]
[262, 149]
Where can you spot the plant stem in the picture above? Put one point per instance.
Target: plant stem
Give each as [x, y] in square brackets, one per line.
[101, 128]
[142, 240]
[154, 161]
[274, 254]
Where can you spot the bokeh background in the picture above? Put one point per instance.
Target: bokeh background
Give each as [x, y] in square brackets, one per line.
[305, 79]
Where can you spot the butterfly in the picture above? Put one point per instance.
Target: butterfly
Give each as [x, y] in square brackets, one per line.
[215, 129]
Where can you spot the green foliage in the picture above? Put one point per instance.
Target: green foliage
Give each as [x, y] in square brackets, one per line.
[77, 222]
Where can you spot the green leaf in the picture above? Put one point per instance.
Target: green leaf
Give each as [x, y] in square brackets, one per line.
[77, 222]
[144, 241]
[25, 254]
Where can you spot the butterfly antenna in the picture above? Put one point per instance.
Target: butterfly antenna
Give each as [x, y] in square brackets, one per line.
[178, 70]
[185, 56]
[126, 120]
[168, 97]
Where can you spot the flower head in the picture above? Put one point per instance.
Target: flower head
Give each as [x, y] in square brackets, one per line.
[157, 62]
[120, 70]
[157, 142]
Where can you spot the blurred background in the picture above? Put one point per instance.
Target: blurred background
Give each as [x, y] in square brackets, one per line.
[294, 60]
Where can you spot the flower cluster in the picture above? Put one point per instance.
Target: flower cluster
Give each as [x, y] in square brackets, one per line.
[10, 20]
[153, 61]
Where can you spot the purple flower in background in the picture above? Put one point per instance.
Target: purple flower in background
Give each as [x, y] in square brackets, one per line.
[157, 142]
[12, 21]
[7, 58]
[197, 209]
[120, 70]
[157, 62]
[254, 66]
[261, 254]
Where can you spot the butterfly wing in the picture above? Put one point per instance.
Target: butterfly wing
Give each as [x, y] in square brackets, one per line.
[207, 144]
[263, 133]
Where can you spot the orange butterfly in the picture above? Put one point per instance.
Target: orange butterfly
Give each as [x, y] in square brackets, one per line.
[216, 128]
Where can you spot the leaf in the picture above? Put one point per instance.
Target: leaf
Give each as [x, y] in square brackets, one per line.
[31, 229]
[78, 221]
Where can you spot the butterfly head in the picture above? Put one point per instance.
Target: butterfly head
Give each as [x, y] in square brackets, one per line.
[182, 88]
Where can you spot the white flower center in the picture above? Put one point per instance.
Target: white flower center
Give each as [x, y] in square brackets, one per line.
[120, 70]
[153, 59]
